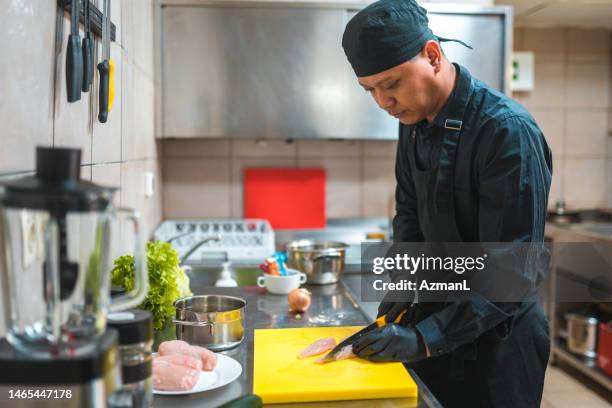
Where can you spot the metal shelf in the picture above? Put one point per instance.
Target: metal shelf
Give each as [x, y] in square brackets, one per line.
[586, 366]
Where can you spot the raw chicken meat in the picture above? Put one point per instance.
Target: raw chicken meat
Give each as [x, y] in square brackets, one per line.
[182, 359]
[318, 347]
[344, 353]
[209, 359]
[173, 377]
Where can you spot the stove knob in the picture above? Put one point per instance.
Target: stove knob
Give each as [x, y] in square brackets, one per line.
[204, 227]
[227, 227]
[180, 227]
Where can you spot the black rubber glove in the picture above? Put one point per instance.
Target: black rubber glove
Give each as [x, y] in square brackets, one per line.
[391, 342]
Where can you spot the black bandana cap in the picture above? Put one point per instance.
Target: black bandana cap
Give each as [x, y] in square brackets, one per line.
[385, 34]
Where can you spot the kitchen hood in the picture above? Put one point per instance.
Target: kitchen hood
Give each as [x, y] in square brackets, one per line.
[278, 70]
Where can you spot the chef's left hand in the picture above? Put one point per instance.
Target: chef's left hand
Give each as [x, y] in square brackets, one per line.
[391, 342]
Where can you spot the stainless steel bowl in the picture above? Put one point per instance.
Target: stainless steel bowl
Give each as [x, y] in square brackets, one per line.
[321, 261]
[212, 321]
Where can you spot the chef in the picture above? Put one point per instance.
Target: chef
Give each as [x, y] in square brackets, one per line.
[471, 166]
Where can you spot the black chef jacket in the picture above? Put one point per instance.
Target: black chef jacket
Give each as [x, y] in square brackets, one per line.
[501, 182]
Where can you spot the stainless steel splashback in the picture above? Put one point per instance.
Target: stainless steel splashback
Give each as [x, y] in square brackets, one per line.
[277, 70]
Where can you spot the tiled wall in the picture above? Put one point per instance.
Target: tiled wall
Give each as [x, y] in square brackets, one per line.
[117, 153]
[571, 102]
[203, 178]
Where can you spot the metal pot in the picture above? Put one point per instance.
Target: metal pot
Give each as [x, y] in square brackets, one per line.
[582, 334]
[321, 261]
[213, 321]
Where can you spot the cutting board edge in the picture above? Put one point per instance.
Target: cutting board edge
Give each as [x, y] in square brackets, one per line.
[338, 396]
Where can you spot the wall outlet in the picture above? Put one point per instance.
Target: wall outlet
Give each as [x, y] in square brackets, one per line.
[149, 184]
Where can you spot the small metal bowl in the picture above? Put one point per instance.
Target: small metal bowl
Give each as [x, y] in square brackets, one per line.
[212, 321]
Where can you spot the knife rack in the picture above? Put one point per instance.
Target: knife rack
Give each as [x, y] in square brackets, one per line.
[95, 18]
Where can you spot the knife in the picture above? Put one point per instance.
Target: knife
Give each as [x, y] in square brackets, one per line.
[331, 356]
[106, 68]
[74, 56]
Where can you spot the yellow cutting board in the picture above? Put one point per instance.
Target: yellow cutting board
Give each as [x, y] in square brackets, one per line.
[280, 377]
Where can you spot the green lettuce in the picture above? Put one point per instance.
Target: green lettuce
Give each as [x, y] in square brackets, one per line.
[167, 280]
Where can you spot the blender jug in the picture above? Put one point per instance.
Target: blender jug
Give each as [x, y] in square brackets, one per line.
[55, 233]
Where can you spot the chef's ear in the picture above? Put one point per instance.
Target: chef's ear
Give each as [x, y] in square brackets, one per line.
[433, 53]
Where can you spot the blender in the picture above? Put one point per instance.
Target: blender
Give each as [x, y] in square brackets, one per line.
[55, 264]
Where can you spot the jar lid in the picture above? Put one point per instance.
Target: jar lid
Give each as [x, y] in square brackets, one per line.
[134, 326]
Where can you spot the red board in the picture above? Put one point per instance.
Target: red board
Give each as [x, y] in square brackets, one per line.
[289, 198]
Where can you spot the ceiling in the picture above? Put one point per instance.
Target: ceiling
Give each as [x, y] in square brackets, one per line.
[568, 13]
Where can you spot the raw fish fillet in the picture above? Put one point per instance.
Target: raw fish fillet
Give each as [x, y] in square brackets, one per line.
[318, 347]
[182, 359]
[209, 359]
[344, 353]
[173, 377]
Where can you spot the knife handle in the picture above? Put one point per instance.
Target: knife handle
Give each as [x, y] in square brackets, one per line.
[103, 69]
[381, 320]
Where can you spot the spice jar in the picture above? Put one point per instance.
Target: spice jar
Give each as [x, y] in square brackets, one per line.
[135, 346]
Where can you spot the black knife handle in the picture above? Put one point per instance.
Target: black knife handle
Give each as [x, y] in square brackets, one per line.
[87, 64]
[104, 70]
[92, 54]
[74, 68]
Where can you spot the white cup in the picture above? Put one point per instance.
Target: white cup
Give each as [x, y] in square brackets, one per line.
[282, 285]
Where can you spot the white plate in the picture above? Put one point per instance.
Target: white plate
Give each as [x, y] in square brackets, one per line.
[226, 371]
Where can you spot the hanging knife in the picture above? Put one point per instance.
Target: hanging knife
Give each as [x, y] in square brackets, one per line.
[331, 356]
[106, 68]
[74, 56]
[88, 50]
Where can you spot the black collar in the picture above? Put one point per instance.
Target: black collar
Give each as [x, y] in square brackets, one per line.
[451, 114]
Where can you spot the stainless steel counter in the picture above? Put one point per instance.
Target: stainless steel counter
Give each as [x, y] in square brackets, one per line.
[332, 305]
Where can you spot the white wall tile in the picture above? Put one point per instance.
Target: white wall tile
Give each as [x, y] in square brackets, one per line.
[586, 134]
[550, 89]
[86, 172]
[552, 124]
[108, 175]
[588, 45]
[377, 187]
[26, 75]
[250, 148]
[379, 148]
[196, 148]
[588, 86]
[129, 143]
[549, 44]
[142, 35]
[307, 148]
[585, 182]
[343, 187]
[198, 188]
